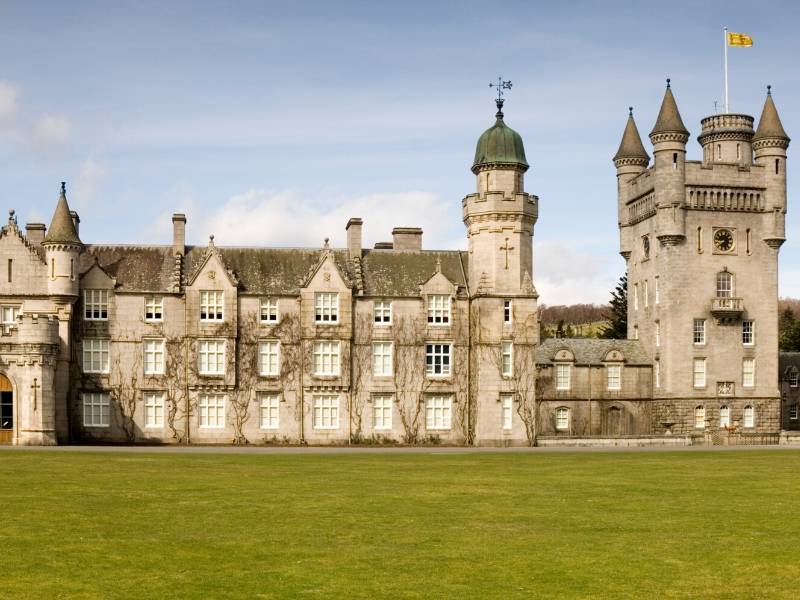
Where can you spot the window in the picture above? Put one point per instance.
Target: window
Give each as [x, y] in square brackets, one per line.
[211, 306]
[507, 410]
[10, 268]
[438, 412]
[154, 308]
[645, 294]
[269, 361]
[326, 307]
[382, 311]
[748, 372]
[153, 357]
[724, 285]
[699, 240]
[699, 417]
[562, 418]
[95, 356]
[699, 332]
[614, 377]
[724, 416]
[269, 310]
[507, 358]
[96, 409]
[635, 296]
[382, 359]
[658, 334]
[699, 372]
[636, 332]
[794, 378]
[749, 416]
[507, 311]
[153, 409]
[382, 412]
[439, 309]
[437, 360]
[326, 411]
[657, 290]
[657, 373]
[212, 411]
[563, 372]
[9, 316]
[268, 410]
[326, 358]
[211, 357]
[748, 240]
[793, 412]
[95, 305]
[748, 333]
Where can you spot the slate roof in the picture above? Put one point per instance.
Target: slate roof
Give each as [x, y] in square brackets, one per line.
[787, 360]
[590, 351]
[769, 125]
[631, 144]
[669, 117]
[62, 228]
[274, 271]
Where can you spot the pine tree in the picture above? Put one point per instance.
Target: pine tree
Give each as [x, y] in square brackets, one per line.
[617, 328]
[788, 332]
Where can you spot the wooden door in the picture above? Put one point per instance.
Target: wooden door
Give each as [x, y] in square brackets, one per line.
[614, 421]
[6, 411]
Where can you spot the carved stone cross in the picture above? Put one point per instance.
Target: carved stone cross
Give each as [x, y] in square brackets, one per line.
[506, 247]
[34, 387]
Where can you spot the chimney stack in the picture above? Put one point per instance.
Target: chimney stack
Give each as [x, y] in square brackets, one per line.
[76, 220]
[407, 238]
[35, 233]
[353, 229]
[179, 233]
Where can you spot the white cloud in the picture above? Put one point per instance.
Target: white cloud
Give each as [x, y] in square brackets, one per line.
[9, 93]
[90, 180]
[564, 275]
[50, 132]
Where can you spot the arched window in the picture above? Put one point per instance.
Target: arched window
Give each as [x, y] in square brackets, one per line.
[562, 418]
[700, 417]
[749, 416]
[724, 284]
[724, 416]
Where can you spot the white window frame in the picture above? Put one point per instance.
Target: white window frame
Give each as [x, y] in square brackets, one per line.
[699, 374]
[325, 411]
[439, 310]
[438, 413]
[794, 378]
[507, 359]
[99, 409]
[95, 305]
[269, 411]
[382, 312]
[268, 311]
[154, 308]
[438, 359]
[657, 290]
[212, 306]
[208, 350]
[748, 372]
[725, 284]
[153, 410]
[724, 416]
[748, 332]
[326, 355]
[211, 411]
[562, 418]
[749, 416]
[699, 332]
[614, 378]
[793, 412]
[563, 376]
[382, 359]
[326, 308]
[269, 358]
[154, 356]
[96, 355]
[700, 417]
[382, 412]
[9, 317]
[508, 312]
[506, 411]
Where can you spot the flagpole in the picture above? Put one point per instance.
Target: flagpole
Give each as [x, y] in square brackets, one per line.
[725, 47]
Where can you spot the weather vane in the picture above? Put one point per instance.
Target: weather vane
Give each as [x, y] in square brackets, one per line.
[501, 85]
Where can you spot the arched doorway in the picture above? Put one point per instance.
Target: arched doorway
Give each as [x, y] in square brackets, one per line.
[614, 421]
[6, 411]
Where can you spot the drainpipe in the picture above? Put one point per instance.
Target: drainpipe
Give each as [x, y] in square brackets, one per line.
[301, 379]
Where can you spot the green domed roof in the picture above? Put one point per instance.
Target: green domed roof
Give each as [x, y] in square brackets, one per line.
[499, 145]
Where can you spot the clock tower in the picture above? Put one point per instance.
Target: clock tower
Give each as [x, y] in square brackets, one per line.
[701, 240]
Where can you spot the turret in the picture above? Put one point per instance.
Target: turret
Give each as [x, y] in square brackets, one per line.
[62, 247]
[500, 161]
[631, 158]
[669, 137]
[727, 138]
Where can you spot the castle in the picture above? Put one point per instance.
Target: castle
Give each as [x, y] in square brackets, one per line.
[217, 344]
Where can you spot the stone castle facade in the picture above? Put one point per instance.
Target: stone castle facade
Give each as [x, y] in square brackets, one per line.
[396, 343]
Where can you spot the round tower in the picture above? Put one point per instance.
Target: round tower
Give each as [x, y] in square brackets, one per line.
[727, 138]
[62, 248]
[631, 158]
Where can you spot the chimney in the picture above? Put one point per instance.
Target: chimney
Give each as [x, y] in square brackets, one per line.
[179, 233]
[353, 230]
[35, 233]
[76, 220]
[407, 238]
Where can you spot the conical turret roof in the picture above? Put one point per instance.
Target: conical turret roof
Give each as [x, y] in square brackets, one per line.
[62, 228]
[499, 145]
[669, 118]
[631, 145]
[769, 125]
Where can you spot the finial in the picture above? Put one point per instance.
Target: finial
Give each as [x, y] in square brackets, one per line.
[668, 86]
[630, 111]
[769, 90]
[64, 187]
[438, 264]
[500, 85]
[11, 212]
[327, 245]
[211, 240]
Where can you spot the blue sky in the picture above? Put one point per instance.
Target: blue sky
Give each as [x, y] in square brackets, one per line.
[272, 123]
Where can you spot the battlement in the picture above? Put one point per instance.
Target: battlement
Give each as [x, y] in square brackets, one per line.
[494, 203]
[36, 328]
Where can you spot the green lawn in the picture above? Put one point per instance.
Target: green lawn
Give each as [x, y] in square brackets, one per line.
[411, 525]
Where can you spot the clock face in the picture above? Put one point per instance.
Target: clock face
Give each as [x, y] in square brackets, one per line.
[646, 246]
[723, 240]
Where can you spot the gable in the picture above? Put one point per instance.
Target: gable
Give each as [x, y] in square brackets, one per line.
[96, 278]
[212, 274]
[326, 276]
[28, 269]
[438, 284]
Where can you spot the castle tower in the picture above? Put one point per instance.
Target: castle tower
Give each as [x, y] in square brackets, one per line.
[500, 218]
[62, 247]
[701, 242]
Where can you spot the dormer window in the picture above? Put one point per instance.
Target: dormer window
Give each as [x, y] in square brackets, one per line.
[382, 312]
[95, 305]
[438, 309]
[794, 378]
[269, 310]
[326, 307]
[211, 305]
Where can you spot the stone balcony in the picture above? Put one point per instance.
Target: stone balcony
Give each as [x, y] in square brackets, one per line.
[727, 309]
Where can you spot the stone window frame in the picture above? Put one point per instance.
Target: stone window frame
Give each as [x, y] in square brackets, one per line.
[98, 352]
[748, 332]
[382, 361]
[96, 402]
[154, 308]
[325, 411]
[724, 416]
[268, 311]
[563, 418]
[610, 368]
[158, 348]
[382, 312]
[794, 412]
[506, 411]
[558, 378]
[699, 334]
[749, 416]
[507, 358]
[212, 306]
[8, 316]
[95, 305]
[326, 308]
[508, 311]
[153, 401]
[382, 409]
[439, 412]
[794, 377]
[696, 382]
[726, 284]
[204, 348]
[267, 349]
[211, 409]
[434, 350]
[439, 308]
[699, 417]
[749, 373]
[269, 413]
[330, 349]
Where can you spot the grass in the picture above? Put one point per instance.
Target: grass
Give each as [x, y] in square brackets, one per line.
[400, 525]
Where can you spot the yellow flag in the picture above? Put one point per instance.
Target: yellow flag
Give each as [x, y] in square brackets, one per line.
[739, 39]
